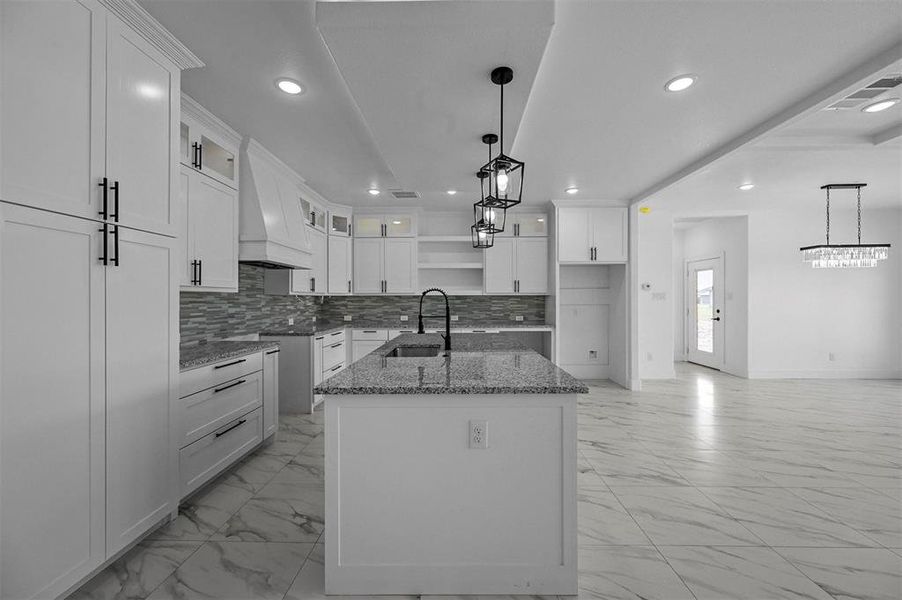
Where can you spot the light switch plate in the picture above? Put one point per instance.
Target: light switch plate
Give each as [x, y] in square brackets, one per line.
[347, 317]
[453, 317]
[518, 317]
[404, 317]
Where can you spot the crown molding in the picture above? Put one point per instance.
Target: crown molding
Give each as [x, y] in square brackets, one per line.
[191, 108]
[133, 15]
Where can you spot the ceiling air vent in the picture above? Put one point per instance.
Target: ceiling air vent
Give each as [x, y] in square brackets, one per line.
[856, 99]
[403, 195]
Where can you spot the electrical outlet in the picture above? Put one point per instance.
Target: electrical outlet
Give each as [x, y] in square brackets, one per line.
[348, 318]
[593, 354]
[832, 357]
[453, 317]
[404, 317]
[479, 435]
[518, 317]
[291, 320]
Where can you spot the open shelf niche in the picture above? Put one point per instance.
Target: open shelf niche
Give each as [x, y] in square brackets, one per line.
[447, 259]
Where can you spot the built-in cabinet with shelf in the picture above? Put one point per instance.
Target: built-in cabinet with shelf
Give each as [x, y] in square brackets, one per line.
[589, 234]
[89, 185]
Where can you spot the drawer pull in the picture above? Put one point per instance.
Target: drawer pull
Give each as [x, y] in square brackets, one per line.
[370, 331]
[336, 345]
[238, 424]
[273, 351]
[335, 368]
[337, 333]
[234, 362]
[231, 385]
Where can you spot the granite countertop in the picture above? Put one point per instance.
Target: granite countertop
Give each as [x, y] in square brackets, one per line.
[317, 327]
[478, 364]
[310, 328]
[192, 356]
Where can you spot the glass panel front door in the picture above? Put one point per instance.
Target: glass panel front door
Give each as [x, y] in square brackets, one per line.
[704, 303]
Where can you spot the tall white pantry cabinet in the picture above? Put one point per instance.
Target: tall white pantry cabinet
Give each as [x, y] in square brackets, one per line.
[89, 106]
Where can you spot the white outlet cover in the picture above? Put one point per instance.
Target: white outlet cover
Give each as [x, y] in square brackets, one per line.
[453, 317]
[479, 435]
[347, 317]
[291, 320]
[404, 317]
[518, 317]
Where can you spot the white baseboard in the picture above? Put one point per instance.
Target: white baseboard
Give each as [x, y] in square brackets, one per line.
[828, 374]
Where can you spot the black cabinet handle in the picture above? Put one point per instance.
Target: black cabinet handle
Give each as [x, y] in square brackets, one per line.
[369, 331]
[349, 286]
[273, 351]
[313, 218]
[115, 259]
[238, 424]
[103, 258]
[313, 284]
[234, 362]
[103, 212]
[200, 272]
[194, 157]
[115, 214]
[200, 157]
[335, 368]
[231, 385]
[337, 333]
[193, 272]
[340, 343]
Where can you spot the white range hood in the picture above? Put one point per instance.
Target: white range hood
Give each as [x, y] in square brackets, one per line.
[272, 229]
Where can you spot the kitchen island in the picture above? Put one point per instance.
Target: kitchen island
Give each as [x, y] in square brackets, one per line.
[453, 473]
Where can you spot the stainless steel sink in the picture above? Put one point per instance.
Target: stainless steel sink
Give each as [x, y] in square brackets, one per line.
[414, 352]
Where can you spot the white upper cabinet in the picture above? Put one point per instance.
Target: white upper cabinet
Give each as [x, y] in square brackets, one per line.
[592, 235]
[53, 144]
[520, 224]
[209, 238]
[517, 266]
[340, 221]
[314, 214]
[393, 224]
[339, 265]
[385, 266]
[208, 145]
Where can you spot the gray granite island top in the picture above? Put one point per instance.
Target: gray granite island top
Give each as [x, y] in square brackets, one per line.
[477, 364]
[192, 356]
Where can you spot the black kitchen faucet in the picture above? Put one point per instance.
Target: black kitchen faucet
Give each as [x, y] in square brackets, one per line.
[447, 336]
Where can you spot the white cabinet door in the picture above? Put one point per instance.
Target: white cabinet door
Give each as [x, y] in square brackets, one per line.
[319, 248]
[400, 225]
[574, 243]
[339, 265]
[531, 265]
[213, 227]
[142, 382]
[368, 261]
[186, 269]
[400, 266]
[142, 133]
[367, 226]
[499, 267]
[318, 343]
[609, 227]
[52, 97]
[270, 392]
[51, 402]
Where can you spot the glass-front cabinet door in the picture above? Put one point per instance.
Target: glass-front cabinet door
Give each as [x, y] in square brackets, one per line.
[207, 145]
[217, 160]
[398, 225]
[531, 225]
[339, 224]
[367, 226]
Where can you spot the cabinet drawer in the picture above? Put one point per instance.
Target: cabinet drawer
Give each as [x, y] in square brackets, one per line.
[335, 369]
[370, 334]
[210, 409]
[333, 354]
[208, 456]
[218, 373]
[335, 336]
[393, 333]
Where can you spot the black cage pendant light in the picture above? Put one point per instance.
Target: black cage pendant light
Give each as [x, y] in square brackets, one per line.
[483, 235]
[488, 215]
[504, 184]
[844, 256]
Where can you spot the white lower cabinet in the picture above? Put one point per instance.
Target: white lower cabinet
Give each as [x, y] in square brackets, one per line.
[364, 341]
[226, 410]
[270, 392]
[86, 463]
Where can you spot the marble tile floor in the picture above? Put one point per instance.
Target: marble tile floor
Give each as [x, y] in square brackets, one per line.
[704, 487]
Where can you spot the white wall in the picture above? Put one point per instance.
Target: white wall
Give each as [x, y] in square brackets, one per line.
[726, 238]
[797, 315]
[679, 323]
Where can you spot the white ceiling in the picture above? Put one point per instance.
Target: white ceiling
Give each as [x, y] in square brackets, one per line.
[412, 97]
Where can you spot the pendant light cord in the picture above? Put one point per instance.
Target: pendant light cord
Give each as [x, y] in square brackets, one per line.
[501, 138]
[859, 216]
[828, 216]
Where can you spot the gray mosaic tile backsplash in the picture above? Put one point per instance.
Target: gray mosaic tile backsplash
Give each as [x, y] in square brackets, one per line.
[469, 309]
[211, 315]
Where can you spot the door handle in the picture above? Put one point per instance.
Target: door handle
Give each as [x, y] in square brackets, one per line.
[115, 214]
[349, 286]
[193, 272]
[200, 157]
[103, 184]
[104, 259]
[238, 424]
[715, 318]
[115, 259]
[231, 385]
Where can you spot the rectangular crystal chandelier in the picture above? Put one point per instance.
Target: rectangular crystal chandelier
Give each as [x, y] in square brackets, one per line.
[844, 256]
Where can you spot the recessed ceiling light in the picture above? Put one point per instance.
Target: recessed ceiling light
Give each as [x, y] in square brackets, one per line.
[373, 192]
[451, 192]
[680, 82]
[289, 86]
[881, 105]
[572, 190]
[746, 186]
